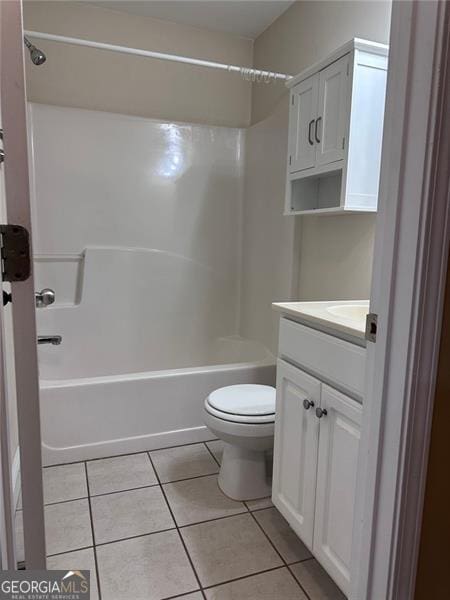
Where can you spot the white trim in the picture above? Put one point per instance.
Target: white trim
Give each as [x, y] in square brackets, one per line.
[411, 238]
[15, 476]
[7, 537]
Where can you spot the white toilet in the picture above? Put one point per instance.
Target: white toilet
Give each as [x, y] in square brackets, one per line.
[243, 416]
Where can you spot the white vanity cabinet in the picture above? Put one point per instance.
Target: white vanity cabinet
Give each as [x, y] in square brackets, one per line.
[339, 435]
[317, 431]
[335, 131]
[296, 449]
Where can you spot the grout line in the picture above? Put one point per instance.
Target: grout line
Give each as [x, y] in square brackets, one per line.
[142, 487]
[68, 551]
[93, 533]
[176, 526]
[75, 462]
[59, 501]
[189, 478]
[243, 512]
[134, 537]
[215, 585]
[65, 501]
[182, 595]
[279, 554]
[285, 565]
[290, 571]
[257, 509]
[178, 530]
[212, 453]
[297, 562]
[148, 533]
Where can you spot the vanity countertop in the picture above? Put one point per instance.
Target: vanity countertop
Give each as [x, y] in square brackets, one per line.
[346, 317]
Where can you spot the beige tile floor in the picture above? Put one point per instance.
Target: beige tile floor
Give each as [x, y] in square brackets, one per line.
[154, 526]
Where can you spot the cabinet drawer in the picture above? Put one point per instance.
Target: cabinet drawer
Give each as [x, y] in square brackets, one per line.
[333, 360]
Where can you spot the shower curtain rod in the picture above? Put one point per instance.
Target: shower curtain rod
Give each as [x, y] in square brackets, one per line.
[255, 75]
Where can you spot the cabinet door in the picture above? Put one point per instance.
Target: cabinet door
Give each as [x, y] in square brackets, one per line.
[303, 110]
[295, 449]
[336, 484]
[332, 121]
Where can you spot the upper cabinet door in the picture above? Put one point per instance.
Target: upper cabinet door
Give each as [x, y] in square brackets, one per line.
[331, 124]
[303, 111]
[340, 430]
[295, 449]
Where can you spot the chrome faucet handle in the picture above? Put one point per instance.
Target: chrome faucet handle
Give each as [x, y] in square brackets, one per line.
[44, 298]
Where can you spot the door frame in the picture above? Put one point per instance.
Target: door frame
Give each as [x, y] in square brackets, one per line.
[17, 189]
[410, 262]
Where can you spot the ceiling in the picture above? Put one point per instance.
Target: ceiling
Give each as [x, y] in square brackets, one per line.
[246, 18]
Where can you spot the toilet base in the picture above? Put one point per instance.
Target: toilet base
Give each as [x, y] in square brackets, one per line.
[242, 473]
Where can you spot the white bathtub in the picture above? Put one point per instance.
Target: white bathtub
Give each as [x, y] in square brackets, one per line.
[94, 417]
[144, 258]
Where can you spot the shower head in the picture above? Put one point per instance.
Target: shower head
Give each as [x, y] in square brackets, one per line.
[37, 56]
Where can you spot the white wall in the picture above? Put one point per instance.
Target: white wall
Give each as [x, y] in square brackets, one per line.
[307, 32]
[103, 180]
[269, 245]
[87, 78]
[334, 254]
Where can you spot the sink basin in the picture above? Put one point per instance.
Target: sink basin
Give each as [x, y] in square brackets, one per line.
[353, 312]
[346, 317]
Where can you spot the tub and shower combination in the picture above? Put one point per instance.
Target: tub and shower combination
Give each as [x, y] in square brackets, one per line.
[142, 250]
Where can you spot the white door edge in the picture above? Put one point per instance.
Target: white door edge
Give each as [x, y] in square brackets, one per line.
[14, 116]
[411, 251]
[7, 532]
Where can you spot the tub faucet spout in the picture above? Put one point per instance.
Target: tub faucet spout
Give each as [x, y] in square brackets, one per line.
[49, 339]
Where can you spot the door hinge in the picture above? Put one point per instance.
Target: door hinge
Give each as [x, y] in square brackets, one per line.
[343, 143]
[15, 253]
[290, 160]
[371, 327]
[292, 99]
[348, 69]
[6, 298]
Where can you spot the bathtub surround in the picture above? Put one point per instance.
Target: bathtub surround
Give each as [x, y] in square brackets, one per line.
[143, 197]
[138, 230]
[88, 78]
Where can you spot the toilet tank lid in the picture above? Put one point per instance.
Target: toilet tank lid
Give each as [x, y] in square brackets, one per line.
[244, 399]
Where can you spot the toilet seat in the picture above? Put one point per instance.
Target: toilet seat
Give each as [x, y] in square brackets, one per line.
[245, 403]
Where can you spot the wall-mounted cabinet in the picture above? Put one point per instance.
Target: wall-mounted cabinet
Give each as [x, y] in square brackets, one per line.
[335, 132]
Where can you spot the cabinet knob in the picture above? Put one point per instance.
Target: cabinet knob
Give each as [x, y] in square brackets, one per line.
[307, 404]
[321, 412]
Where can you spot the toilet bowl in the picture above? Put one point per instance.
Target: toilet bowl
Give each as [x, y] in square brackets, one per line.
[243, 417]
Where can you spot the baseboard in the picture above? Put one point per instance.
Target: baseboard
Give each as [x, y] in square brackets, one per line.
[56, 456]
